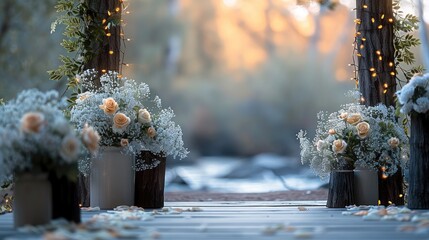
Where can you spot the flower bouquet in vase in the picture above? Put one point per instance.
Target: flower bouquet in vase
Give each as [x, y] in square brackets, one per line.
[39, 152]
[118, 110]
[359, 140]
[414, 101]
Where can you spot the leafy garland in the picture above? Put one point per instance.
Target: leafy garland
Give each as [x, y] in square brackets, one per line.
[404, 41]
[84, 35]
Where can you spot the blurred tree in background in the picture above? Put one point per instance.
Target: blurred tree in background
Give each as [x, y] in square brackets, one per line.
[27, 50]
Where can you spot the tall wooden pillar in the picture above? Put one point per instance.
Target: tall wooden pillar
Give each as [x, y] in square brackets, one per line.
[106, 58]
[376, 71]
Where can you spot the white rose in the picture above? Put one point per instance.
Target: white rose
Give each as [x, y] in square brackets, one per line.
[124, 142]
[339, 146]
[320, 145]
[354, 119]
[363, 129]
[69, 148]
[144, 116]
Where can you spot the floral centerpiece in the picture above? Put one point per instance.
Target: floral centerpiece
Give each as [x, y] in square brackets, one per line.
[35, 136]
[39, 151]
[356, 135]
[124, 114]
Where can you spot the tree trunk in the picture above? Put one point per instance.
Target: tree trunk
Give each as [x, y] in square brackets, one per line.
[103, 61]
[149, 186]
[376, 71]
[418, 191]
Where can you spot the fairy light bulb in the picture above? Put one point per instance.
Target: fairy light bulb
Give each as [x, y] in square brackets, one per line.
[111, 52]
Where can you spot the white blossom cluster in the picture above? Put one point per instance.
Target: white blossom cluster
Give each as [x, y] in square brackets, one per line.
[363, 136]
[414, 96]
[35, 135]
[125, 115]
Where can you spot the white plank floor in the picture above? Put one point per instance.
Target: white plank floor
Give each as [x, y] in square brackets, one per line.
[250, 220]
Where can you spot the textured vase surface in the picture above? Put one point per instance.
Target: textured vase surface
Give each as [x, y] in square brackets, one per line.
[366, 186]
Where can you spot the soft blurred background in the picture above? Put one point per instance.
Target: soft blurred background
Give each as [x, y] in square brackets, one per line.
[243, 76]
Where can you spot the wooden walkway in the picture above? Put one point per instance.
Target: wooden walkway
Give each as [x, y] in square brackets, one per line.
[251, 220]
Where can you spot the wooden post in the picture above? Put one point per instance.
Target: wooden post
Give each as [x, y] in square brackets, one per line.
[376, 71]
[103, 61]
[418, 192]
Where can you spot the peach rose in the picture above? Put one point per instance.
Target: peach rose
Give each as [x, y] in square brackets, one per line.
[69, 148]
[32, 122]
[151, 132]
[84, 96]
[393, 142]
[110, 106]
[339, 146]
[354, 119]
[332, 132]
[124, 142]
[144, 116]
[120, 122]
[363, 129]
[90, 138]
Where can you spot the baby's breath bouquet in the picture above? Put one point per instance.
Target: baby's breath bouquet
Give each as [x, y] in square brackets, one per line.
[125, 115]
[36, 137]
[356, 135]
[414, 96]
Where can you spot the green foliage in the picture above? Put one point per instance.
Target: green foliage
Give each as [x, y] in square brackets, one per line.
[404, 41]
[83, 35]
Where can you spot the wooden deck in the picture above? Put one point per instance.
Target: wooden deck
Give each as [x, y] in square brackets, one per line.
[252, 220]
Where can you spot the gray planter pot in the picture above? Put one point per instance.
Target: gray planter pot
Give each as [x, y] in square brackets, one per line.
[32, 203]
[112, 179]
[365, 186]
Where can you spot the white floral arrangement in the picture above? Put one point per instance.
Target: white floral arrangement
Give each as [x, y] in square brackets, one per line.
[35, 136]
[414, 96]
[356, 135]
[124, 114]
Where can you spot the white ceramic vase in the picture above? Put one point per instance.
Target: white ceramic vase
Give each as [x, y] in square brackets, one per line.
[112, 179]
[32, 202]
[365, 186]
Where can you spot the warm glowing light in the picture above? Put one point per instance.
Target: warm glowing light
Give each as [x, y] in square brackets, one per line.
[230, 3]
[363, 39]
[119, 76]
[385, 91]
[109, 13]
[361, 46]
[380, 58]
[127, 65]
[401, 195]
[373, 20]
[365, 6]
[103, 70]
[128, 39]
[110, 52]
[358, 21]
[362, 99]
[391, 20]
[300, 13]
[372, 69]
[390, 202]
[117, 9]
[390, 64]
[108, 34]
[380, 26]
[374, 75]
[379, 202]
[359, 55]
[392, 73]
[103, 21]
[382, 16]
[378, 52]
[385, 85]
[127, 12]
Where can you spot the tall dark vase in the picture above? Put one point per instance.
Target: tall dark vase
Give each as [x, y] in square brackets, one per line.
[341, 189]
[149, 185]
[418, 191]
[65, 201]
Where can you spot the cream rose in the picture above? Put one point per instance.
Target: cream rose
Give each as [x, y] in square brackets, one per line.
[363, 129]
[124, 142]
[320, 145]
[90, 138]
[69, 148]
[144, 116]
[120, 122]
[344, 115]
[339, 146]
[332, 132]
[32, 122]
[110, 106]
[151, 132]
[393, 142]
[84, 96]
[354, 119]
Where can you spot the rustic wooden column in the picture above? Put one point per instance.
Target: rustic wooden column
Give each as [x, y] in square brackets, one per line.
[376, 71]
[106, 58]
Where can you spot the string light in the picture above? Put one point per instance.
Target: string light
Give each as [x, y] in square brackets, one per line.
[390, 64]
[117, 9]
[111, 52]
[108, 34]
[380, 26]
